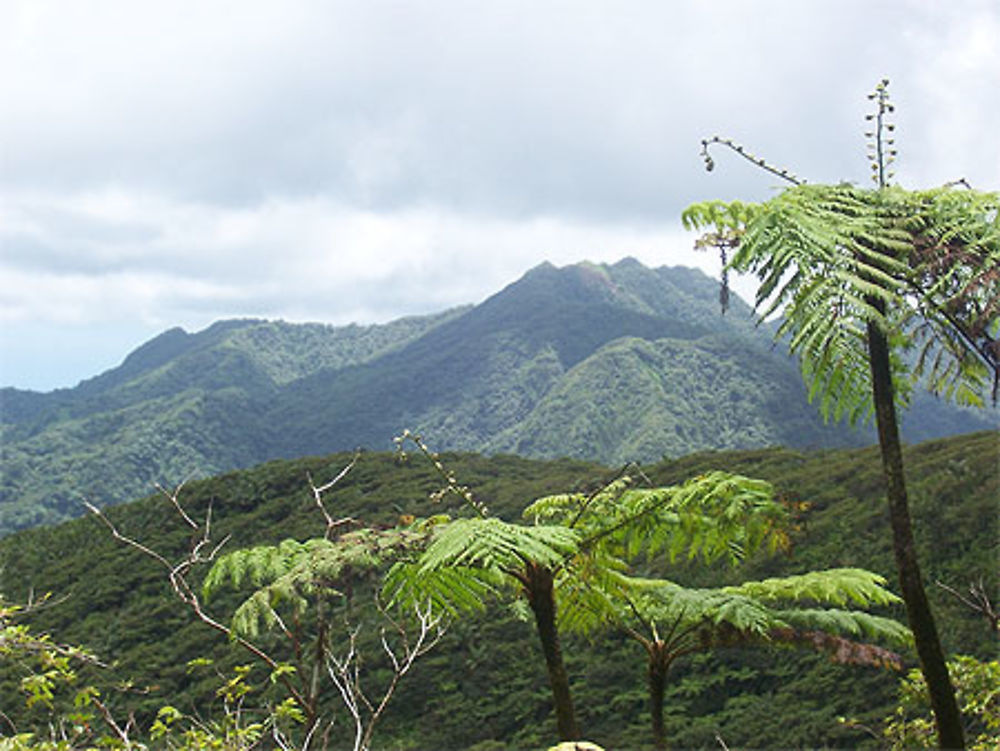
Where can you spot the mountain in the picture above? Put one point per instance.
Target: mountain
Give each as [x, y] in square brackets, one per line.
[612, 363]
[484, 687]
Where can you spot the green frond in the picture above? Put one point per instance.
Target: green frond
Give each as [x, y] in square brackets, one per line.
[451, 589]
[714, 515]
[745, 616]
[853, 623]
[590, 591]
[720, 215]
[554, 509]
[495, 544]
[585, 609]
[749, 612]
[290, 574]
[259, 611]
[835, 586]
[260, 565]
[572, 509]
[833, 258]
[671, 602]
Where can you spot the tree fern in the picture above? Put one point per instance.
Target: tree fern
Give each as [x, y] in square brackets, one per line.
[670, 620]
[878, 289]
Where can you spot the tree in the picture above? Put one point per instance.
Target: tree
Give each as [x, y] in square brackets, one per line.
[713, 515]
[307, 592]
[49, 677]
[669, 620]
[878, 289]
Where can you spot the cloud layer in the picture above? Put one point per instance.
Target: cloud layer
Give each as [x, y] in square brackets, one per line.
[175, 163]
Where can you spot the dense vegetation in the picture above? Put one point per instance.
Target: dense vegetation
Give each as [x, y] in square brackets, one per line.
[612, 363]
[485, 686]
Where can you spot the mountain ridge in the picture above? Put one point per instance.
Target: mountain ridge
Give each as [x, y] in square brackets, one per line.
[607, 362]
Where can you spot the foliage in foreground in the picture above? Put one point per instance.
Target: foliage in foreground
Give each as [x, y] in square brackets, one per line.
[482, 686]
[977, 685]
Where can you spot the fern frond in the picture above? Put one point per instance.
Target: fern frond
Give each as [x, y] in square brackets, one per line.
[833, 258]
[852, 623]
[289, 574]
[451, 589]
[260, 565]
[590, 591]
[574, 509]
[835, 586]
[495, 544]
[710, 516]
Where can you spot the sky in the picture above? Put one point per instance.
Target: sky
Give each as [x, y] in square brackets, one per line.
[175, 163]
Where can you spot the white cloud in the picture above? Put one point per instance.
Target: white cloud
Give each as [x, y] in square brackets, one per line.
[174, 163]
[300, 258]
[956, 85]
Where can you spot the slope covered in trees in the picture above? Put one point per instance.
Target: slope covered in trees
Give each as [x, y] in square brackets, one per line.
[611, 363]
[485, 687]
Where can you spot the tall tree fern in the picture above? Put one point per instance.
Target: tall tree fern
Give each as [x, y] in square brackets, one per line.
[571, 537]
[714, 516]
[878, 289]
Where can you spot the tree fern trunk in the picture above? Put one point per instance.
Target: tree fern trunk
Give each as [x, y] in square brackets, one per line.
[543, 604]
[932, 663]
[657, 679]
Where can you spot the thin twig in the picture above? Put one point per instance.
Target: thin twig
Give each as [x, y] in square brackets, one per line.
[173, 498]
[710, 163]
[317, 491]
[978, 601]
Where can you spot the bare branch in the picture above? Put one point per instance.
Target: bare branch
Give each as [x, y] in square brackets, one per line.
[978, 600]
[430, 632]
[120, 732]
[177, 576]
[172, 496]
[345, 670]
[127, 540]
[317, 491]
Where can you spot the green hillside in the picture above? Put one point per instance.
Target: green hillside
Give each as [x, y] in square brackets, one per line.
[486, 682]
[610, 363]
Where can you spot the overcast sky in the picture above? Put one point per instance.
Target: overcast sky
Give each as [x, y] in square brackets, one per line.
[174, 163]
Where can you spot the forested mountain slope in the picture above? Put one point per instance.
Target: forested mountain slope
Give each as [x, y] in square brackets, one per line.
[485, 684]
[612, 363]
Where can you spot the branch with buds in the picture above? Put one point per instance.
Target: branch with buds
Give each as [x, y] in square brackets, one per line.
[451, 485]
[755, 160]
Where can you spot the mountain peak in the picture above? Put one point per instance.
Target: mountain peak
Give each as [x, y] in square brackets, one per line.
[615, 362]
